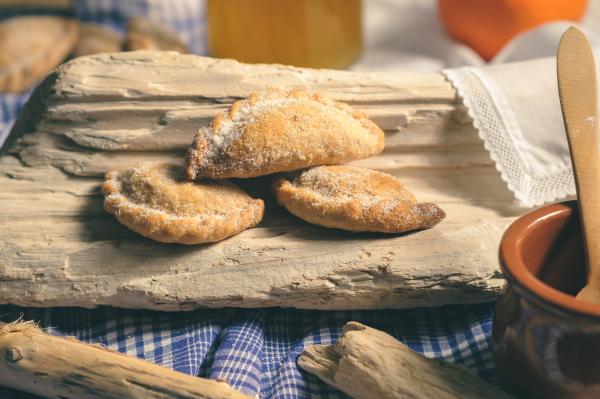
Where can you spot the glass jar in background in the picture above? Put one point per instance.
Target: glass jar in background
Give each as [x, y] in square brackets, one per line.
[306, 33]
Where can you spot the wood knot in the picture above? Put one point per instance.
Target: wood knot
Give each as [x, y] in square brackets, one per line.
[13, 355]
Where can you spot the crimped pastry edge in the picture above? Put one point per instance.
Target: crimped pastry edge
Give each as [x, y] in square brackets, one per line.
[196, 154]
[316, 209]
[173, 228]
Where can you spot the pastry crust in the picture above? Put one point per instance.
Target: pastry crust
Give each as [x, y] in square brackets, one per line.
[354, 199]
[153, 200]
[277, 131]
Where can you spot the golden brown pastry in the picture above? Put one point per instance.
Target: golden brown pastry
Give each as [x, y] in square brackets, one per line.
[153, 200]
[277, 131]
[354, 199]
[31, 46]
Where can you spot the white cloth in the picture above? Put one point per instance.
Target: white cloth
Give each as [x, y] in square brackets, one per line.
[406, 35]
[516, 110]
[513, 100]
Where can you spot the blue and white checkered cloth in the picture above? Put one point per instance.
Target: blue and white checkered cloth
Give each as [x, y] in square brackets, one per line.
[254, 350]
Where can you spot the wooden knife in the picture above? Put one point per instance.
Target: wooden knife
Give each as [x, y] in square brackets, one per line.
[577, 88]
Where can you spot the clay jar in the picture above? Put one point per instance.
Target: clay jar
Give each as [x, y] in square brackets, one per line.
[547, 342]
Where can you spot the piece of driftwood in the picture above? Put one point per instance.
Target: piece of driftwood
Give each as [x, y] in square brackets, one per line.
[59, 367]
[368, 363]
[58, 247]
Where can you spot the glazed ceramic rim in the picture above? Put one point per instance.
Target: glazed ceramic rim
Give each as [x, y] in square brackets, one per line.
[515, 270]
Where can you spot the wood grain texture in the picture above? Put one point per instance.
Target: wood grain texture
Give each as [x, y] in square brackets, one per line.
[577, 89]
[63, 367]
[367, 363]
[58, 247]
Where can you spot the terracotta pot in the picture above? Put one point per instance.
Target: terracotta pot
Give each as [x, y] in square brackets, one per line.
[547, 342]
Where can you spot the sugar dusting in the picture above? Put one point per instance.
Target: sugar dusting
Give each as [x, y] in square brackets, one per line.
[329, 131]
[232, 128]
[342, 184]
[356, 199]
[161, 189]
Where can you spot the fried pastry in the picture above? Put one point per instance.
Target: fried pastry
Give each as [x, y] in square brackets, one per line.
[354, 199]
[153, 200]
[277, 131]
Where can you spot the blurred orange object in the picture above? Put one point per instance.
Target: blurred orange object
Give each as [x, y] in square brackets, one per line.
[487, 25]
[305, 33]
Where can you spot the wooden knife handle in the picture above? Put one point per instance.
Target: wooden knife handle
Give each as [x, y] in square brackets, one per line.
[577, 85]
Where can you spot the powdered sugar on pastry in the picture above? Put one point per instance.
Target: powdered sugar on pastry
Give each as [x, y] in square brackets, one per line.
[277, 131]
[154, 200]
[354, 199]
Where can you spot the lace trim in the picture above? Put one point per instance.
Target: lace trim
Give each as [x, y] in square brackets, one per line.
[493, 127]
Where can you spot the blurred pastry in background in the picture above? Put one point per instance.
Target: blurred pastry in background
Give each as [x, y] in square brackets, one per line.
[144, 34]
[31, 47]
[96, 38]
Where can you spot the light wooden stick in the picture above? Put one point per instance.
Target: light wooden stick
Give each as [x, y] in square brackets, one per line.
[56, 367]
[577, 89]
[367, 363]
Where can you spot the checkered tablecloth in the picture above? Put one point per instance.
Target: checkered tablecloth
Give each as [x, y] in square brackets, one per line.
[254, 350]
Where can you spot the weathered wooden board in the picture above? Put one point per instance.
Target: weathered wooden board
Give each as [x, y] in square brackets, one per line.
[58, 247]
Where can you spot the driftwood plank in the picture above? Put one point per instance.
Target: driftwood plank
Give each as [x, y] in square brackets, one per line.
[367, 363]
[145, 101]
[58, 247]
[63, 367]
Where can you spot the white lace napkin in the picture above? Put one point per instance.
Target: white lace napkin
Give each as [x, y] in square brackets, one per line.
[516, 109]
